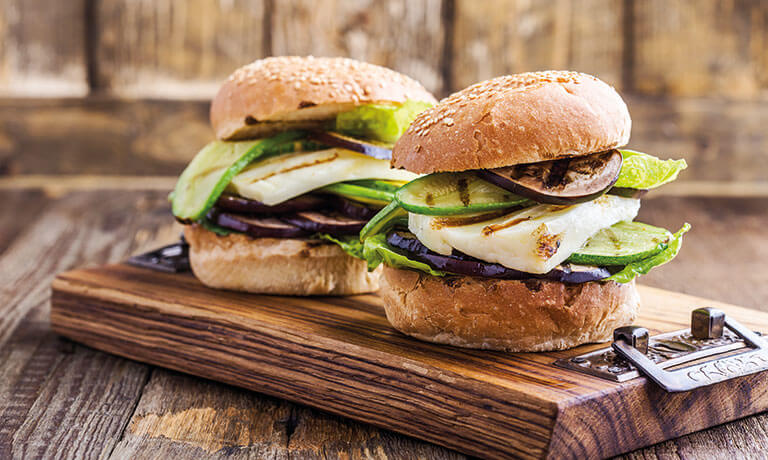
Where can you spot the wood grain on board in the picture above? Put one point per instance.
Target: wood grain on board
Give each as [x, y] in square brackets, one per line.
[341, 355]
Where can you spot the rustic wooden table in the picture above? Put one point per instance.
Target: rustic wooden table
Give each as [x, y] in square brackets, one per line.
[59, 399]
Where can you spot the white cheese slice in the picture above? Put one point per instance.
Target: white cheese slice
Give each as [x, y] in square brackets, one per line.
[533, 240]
[281, 178]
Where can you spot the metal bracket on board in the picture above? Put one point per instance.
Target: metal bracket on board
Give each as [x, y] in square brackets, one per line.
[173, 258]
[675, 360]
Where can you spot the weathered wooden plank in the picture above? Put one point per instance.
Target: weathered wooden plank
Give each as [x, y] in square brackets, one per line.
[745, 439]
[57, 185]
[17, 209]
[80, 407]
[101, 136]
[725, 248]
[183, 415]
[178, 414]
[510, 36]
[57, 399]
[700, 48]
[318, 435]
[42, 50]
[176, 49]
[722, 140]
[407, 36]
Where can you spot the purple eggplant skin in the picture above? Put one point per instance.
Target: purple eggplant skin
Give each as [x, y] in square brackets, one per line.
[257, 227]
[308, 202]
[460, 264]
[334, 224]
[240, 205]
[576, 274]
[463, 264]
[332, 139]
[351, 209]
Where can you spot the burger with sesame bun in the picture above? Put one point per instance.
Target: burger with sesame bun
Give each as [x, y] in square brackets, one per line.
[520, 234]
[301, 163]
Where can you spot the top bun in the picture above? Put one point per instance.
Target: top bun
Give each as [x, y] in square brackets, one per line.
[291, 92]
[523, 118]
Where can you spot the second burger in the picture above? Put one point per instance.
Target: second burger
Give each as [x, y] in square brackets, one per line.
[300, 165]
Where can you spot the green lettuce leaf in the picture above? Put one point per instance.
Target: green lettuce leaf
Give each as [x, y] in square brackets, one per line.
[641, 267]
[385, 123]
[376, 250]
[348, 243]
[642, 171]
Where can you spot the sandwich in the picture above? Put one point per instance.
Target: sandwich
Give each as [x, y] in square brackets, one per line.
[520, 233]
[301, 163]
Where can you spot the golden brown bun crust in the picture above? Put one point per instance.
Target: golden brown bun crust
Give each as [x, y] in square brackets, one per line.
[287, 92]
[515, 119]
[283, 266]
[492, 314]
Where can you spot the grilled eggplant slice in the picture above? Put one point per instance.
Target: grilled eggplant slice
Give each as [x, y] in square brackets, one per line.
[334, 224]
[352, 209]
[378, 150]
[564, 181]
[257, 227]
[234, 203]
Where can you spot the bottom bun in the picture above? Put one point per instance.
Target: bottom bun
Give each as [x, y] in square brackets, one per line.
[286, 266]
[494, 314]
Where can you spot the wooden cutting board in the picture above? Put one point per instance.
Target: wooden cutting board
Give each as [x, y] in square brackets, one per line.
[339, 354]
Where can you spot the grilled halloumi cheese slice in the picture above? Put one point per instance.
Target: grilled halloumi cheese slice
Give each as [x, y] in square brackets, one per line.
[287, 176]
[533, 240]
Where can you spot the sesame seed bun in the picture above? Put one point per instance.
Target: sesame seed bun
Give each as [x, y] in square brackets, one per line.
[514, 119]
[494, 314]
[279, 93]
[285, 266]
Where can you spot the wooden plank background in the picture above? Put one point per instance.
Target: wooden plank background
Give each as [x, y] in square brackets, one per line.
[122, 86]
